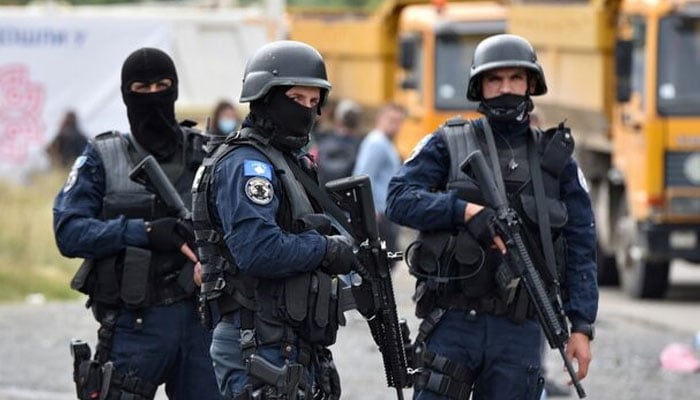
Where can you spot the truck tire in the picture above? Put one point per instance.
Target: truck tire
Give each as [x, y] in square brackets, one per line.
[607, 268]
[605, 197]
[646, 279]
[642, 278]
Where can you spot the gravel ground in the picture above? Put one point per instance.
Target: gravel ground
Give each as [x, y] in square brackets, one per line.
[35, 361]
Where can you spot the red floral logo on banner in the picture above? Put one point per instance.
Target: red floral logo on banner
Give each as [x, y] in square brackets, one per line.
[21, 104]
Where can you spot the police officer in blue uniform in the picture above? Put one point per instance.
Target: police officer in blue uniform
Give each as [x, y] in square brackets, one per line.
[139, 269]
[269, 256]
[479, 331]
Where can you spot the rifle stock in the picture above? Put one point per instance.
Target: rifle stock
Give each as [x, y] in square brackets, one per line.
[508, 225]
[149, 173]
[375, 296]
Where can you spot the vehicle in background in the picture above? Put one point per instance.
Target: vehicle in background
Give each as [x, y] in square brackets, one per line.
[392, 54]
[623, 74]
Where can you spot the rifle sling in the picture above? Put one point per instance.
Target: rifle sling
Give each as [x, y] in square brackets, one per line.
[319, 195]
[540, 203]
[493, 157]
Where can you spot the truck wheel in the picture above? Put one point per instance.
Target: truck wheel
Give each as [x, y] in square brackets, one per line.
[641, 278]
[646, 279]
[607, 269]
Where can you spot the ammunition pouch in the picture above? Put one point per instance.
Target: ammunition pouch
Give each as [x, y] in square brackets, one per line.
[558, 215]
[118, 386]
[437, 373]
[558, 149]
[308, 303]
[135, 278]
[84, 279]
[452, 267]
[445, 377]
[442, 257]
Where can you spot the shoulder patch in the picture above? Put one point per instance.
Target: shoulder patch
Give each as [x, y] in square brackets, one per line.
[73, 175]
[582, 180]
[259, 190]
[79, 162]
[257, 168]
[418, 147]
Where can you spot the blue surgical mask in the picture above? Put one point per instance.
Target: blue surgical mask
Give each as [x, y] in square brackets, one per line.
[227, 125]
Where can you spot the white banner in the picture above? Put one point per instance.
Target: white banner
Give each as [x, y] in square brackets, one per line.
[51, 65]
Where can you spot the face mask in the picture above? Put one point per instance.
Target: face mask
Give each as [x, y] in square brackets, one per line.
[151, 115]
[152, 121]
[292, 121]
[506, 108]
[227, 125]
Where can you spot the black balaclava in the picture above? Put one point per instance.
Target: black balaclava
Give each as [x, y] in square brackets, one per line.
[285, 121]
[507, 108]
[151, 115]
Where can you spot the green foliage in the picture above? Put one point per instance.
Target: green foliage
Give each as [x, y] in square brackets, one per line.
[29, 259]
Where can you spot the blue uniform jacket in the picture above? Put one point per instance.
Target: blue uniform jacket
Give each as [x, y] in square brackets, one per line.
[77, 209]
[259, 245]
[417, 199]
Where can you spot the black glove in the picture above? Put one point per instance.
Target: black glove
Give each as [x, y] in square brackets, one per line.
[168, 234]
[482, 226]
[339, 258]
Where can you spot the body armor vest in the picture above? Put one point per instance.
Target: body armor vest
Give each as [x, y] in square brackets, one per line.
[452, 263]
[276, 303]
[139, 277]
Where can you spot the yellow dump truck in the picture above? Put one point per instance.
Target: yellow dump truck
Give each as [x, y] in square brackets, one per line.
[623, 73]
[392, 53]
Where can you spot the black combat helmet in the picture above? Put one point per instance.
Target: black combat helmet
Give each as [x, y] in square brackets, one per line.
[504, 51]
[284, 63]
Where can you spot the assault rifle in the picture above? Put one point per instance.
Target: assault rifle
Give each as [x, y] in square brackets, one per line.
[149, 173]
[508, 226]
[374, 298]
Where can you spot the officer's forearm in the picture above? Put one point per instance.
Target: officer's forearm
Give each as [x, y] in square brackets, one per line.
[92, 238]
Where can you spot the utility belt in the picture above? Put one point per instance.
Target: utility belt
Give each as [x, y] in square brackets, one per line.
[136, 278]
[269, 382]
[301, 311]
[489, 304]
[305, 304]
[519, 309]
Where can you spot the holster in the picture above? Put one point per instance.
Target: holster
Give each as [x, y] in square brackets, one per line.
[87, 373]
[89, 381]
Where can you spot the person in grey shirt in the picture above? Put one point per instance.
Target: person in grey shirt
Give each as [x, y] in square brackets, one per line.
[378, 158]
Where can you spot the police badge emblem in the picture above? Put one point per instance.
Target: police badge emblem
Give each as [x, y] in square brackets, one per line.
[259, 190]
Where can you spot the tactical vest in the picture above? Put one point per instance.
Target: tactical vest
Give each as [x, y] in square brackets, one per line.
[452, 268]
[305, 302]
[138, 277]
